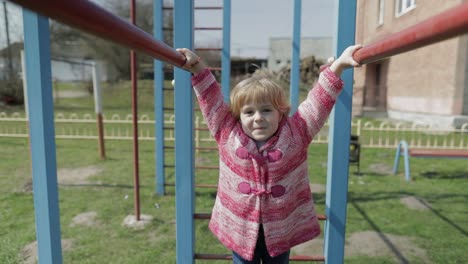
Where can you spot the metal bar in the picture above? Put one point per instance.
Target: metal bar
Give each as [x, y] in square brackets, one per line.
[229, 257]
[94, 19]
[208, 28]
[208, 49]
[206, 216]
[338, 146]
[98, 109]
[42, 137]
[198, 28]
[201, 185]
[207, 167]
[226, 53]
[73, 62]
[136, 167]
[198, 8]
[446, 25]
[184, 154]
[101, 143]
[296, 52]
[159, 100]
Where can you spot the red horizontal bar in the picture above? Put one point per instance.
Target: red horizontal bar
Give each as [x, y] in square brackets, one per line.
[199, 148]
[215, 69]
[196, 185]
[208, 216]
[207, 167]
[307, 258]
[229, 257]
[446, 25]
[196, 167]
[92, 18]
[198, 8]
[197, 28]
[446, 153]
[208, 28]
[208, 49]
[211, 186]
[207, 148]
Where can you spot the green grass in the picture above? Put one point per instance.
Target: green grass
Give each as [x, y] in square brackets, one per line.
[374, 198]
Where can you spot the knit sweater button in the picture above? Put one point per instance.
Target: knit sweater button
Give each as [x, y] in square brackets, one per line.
[277, 191]
[242, 153]
[274, 155]
[244, 188]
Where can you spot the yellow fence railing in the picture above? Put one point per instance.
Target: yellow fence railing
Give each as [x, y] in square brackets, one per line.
[372, 134]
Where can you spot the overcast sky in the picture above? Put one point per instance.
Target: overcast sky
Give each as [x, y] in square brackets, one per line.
[253, 23]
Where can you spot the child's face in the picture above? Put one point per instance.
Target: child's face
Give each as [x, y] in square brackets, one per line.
[259, 121]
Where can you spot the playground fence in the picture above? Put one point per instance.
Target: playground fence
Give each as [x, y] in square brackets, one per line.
[372, 134]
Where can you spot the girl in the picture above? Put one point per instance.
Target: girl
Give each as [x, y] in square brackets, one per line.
[264, 205]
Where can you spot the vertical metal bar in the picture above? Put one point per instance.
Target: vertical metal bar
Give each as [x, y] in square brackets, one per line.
[295, 62]
[25, 82]
[98, 110]
[158, 18]
[184, 154]
[338, 147]
[136, 167]
[226, 56]
[42, 137]
[407, 163]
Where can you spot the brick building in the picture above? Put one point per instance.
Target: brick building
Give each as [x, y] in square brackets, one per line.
[429, 84]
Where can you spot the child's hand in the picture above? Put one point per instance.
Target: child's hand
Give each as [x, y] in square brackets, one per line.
[345, 60]
[194, 64]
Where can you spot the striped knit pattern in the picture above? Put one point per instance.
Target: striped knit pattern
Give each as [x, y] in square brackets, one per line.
[290, 219]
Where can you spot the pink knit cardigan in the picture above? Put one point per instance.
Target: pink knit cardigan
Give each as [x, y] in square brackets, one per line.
[270, 185]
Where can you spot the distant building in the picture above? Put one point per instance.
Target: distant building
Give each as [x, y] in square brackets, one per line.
[281, 52]
[66, 64]
[429, 84]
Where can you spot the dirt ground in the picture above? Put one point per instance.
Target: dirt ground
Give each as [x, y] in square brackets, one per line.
[373, 244]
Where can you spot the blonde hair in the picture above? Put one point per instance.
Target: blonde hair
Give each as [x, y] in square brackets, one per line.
[259, 88]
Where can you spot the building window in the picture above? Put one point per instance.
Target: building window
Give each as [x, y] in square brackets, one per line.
[403, 6]
[381, 11]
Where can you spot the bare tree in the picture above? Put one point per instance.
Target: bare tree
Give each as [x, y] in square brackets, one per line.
[63, 38]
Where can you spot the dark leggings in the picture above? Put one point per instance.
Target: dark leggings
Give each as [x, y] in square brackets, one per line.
[261, 254]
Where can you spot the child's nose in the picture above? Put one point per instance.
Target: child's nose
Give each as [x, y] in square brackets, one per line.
[258, 116]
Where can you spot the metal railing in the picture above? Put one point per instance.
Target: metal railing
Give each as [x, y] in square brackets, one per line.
[372, 134]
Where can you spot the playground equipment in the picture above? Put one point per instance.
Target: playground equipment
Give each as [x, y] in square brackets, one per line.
[403, 150]
[159, 81]
[93, 19]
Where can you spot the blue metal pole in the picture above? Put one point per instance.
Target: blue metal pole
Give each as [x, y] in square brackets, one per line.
[42, 136]
[158, 18]
[226, 56]
[296, 53]
[338, 147]
[184, 154]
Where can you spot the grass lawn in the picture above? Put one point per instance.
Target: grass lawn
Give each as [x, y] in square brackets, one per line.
[423, 221]
[375, 204]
